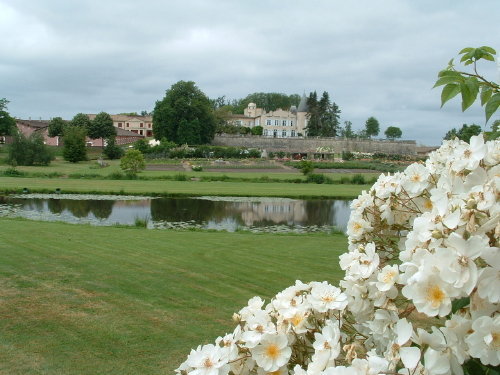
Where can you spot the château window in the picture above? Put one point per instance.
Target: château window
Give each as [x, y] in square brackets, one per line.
[293, 133]
[283, 133]
[291, 122]
[276, 122]
[268, 122]
[120, 125]
[283, 122]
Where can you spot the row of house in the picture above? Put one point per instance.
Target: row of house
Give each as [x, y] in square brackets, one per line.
[123, 136]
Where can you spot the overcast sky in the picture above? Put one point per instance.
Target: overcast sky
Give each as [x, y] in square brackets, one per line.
[375, 58]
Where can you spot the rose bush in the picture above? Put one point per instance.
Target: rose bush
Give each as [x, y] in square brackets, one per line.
[421, 289]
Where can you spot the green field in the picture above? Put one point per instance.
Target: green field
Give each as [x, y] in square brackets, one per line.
[177, 188]
[108, 300]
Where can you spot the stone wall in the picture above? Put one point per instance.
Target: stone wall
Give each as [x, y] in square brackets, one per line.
[317, 145]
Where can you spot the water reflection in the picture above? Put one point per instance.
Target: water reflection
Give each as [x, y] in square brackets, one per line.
[216, 213]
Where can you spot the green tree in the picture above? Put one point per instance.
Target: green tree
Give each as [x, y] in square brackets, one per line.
[7, 123]
[188, 132]
[29, 150]
[313, 116]
[372, 127]
[323, 116]
[465, 133]
[393, 132]
[56, 127]
[74, 144]
[269, 101]
[81, 120]
[101, 127]
[3, 104]
[184, 105]
[347, 131]
[257, 130]
[470, 84]
[112, 150]
[132, 162]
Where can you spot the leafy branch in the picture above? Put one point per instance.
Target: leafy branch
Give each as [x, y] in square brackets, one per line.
[470, 85]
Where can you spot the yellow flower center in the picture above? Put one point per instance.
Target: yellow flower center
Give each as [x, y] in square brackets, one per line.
[327, 299]
[495, 343]
[428, 204]
[357, 226]
[416, 178]
[208, 363]
[435, 295]
[296, 320]
[389, 276]
[273, 351]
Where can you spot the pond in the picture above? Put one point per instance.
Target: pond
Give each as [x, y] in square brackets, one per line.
[219, 213]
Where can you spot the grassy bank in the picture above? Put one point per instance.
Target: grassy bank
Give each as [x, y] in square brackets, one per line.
[93, 300]
[180, 188]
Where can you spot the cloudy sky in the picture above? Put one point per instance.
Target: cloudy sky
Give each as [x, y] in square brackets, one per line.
[375, 58]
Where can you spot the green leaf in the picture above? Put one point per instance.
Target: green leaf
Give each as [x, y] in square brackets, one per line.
[449, 92]
[486, 93]
[468, 96]
[489, 50]
[489, 57]
[445, 80]
[449, 73]
[459, 304]
[492, 105]
[467, 49]
[467, 56]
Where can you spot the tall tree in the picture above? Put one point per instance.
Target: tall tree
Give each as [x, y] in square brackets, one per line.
[74, 144]
[185, 106]
[7, 123]
[393, 132]
[322, 117]
[269, 101]
[81, 120]
[101, 127]
[313, 116]
[372, 127]
[347, 131]
[465, 133]
[56, 127]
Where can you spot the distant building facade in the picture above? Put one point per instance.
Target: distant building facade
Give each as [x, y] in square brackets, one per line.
[28, 127]
[142, 125]
[280, 123]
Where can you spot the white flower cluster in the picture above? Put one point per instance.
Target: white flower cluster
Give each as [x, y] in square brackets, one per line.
[421, 290]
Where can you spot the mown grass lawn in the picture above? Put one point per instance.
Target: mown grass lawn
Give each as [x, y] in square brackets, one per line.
[185, 188]
[108, 300]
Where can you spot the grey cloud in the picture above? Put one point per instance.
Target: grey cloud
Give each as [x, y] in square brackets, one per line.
[375, 58]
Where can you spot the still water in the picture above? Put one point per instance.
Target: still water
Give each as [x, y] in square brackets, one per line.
[219, 213]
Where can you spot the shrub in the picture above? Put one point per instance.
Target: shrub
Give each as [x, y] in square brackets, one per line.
[306, 167]
[180, 177]
[358, 179]
[197, 168]
[347, 155]
[13, 172]
[29, 150]
[318, 179]
[112, 150]
[74, 144]
[132, 162]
